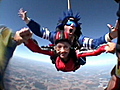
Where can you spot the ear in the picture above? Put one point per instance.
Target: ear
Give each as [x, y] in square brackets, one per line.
[55, 47]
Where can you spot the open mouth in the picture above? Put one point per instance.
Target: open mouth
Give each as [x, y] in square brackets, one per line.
[71, 30]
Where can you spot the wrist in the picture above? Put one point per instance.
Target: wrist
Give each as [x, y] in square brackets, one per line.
[108, 37]
[27, 20]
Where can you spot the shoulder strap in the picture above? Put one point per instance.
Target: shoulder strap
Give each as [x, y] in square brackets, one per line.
[51, 48]
[53, 58]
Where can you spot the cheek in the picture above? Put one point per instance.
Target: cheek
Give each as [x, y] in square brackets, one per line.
[67, 52]
[66, 55]
[66, 29]
[57, 51]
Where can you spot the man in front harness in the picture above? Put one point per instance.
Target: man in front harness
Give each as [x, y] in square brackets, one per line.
[66, 58]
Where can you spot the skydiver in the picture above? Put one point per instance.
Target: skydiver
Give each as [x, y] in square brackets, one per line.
[114, 83]
[8, 44]
[70, 24]
[64, 57]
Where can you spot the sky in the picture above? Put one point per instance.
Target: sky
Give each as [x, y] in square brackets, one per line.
[95, 15]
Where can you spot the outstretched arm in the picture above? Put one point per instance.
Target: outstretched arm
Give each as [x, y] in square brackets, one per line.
[26, 36]
[33, 46]
[89, 43]
[36, 28]
[110, 47]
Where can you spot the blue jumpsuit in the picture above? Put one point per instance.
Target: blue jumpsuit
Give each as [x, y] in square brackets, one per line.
[84, 41]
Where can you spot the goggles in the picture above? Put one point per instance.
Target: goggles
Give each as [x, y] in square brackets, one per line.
[65, 47]
[69, 23]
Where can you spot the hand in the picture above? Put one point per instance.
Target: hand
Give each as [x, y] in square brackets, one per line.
[23, 35]
[110, 47]
[113, 30]
[23, 15]
[18, 38]
[26, 34]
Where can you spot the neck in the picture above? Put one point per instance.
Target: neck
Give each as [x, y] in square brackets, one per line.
[65, 59]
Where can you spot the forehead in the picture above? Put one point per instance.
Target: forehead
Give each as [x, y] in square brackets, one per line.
[63, 43]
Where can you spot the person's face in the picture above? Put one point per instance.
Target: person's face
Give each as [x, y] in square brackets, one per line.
[63, 49]
[70, 27]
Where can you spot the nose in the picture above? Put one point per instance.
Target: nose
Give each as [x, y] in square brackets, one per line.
[62, 49]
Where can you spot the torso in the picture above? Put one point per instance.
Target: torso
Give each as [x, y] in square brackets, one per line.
[68, 66]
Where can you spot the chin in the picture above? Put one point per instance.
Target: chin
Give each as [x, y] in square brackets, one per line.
[63, 57]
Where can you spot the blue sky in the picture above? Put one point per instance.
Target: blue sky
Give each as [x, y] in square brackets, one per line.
[95, 14]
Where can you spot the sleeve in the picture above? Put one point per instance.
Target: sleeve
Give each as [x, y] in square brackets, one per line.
[33, 46]
[89, 43]
[35, 28]
[94, 53]
[43, 33]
